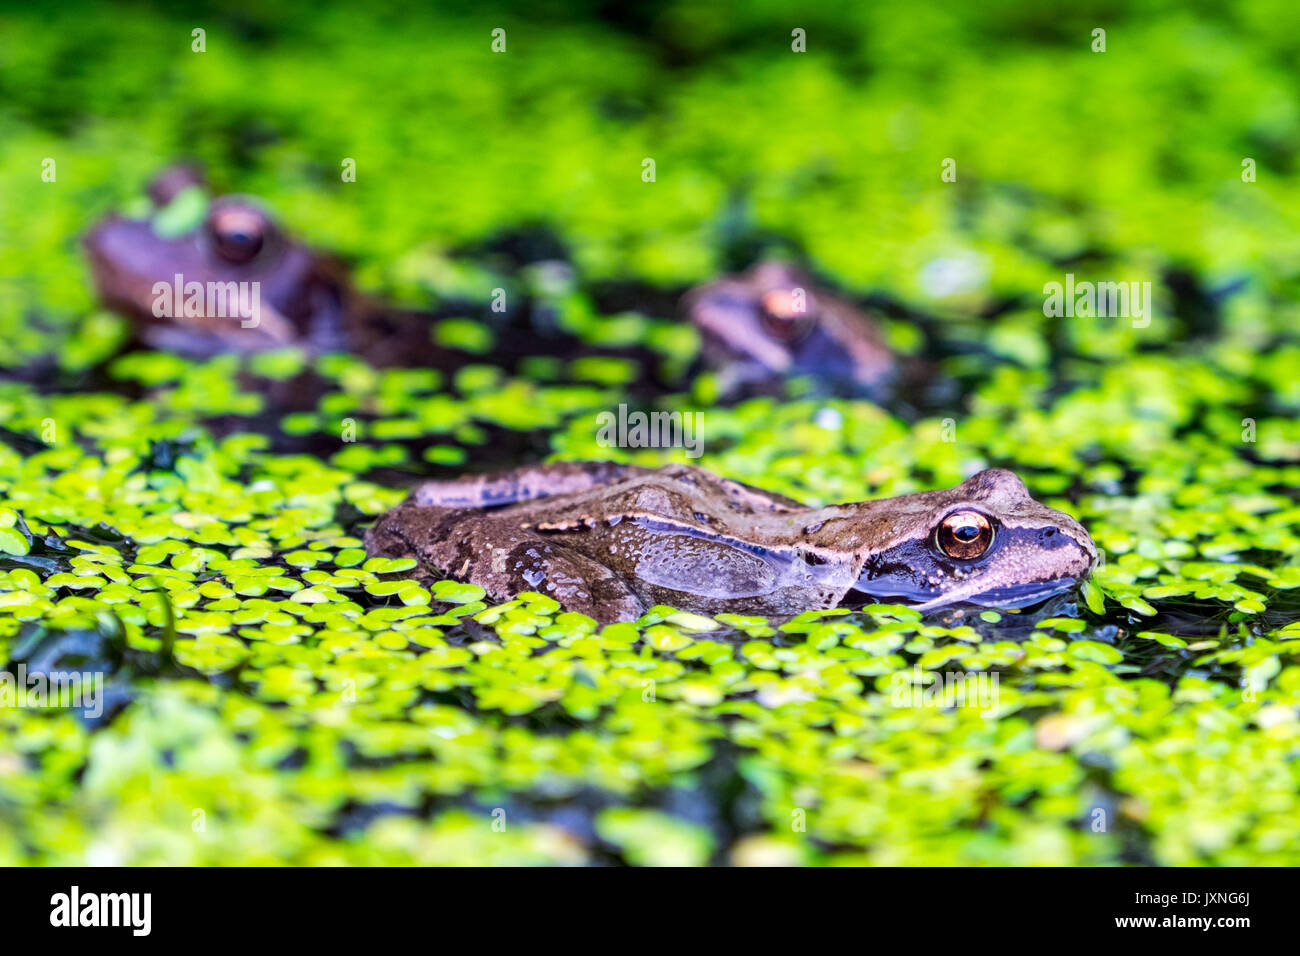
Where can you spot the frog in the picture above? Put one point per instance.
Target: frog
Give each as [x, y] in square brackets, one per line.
[612, 540]
[772, 322]
[291, 294]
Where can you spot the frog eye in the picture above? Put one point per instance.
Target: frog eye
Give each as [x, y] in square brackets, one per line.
[787, 313]
[964, 535]
[238, 232]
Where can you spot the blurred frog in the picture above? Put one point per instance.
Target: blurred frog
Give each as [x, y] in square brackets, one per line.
[201, 277]
[772, 322]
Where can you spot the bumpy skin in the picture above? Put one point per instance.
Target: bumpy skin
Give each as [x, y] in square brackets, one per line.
[306, 299]
[754, 337]
[612, 540]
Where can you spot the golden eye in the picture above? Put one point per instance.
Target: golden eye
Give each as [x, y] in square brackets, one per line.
[237, 232]
[782, 304]
[964, 535]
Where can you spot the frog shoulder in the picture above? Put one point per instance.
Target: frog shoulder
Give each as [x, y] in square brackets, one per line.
[721, 492]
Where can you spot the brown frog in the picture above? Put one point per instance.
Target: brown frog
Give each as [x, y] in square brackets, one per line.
[612, 540]
[771, 322]
[237, 282]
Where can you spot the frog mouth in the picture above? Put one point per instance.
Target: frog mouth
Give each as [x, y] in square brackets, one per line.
[1016, 596]
[1009, 596]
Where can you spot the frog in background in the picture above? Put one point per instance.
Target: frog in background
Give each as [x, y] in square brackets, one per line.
[772, 322]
